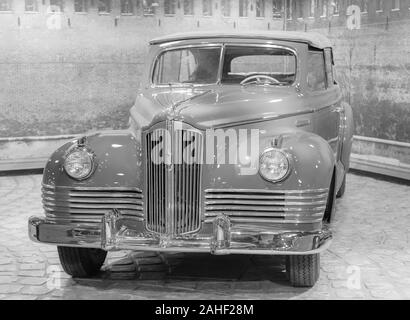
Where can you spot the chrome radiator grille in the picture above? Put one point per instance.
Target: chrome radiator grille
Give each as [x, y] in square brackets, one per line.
[247, 205]
[84, 204]
[172, 183]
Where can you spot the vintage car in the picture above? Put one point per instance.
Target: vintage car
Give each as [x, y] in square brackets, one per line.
[238, 143]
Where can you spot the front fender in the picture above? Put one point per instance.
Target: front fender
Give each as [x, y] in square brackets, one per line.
[118, 162]
[312, 159]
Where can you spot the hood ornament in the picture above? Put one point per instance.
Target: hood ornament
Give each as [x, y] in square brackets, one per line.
[171, 113]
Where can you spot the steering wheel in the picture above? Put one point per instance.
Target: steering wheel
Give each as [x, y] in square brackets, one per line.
[257, 78]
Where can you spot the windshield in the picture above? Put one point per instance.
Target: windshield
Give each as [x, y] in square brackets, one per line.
[241, 62]
[200, 65]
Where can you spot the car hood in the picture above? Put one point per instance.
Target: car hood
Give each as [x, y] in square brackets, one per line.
[218, 106]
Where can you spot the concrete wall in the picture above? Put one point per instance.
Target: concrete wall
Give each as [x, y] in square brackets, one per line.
[83, 74]
[373, 65]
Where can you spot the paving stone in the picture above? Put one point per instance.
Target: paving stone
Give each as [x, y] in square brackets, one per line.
[124, 261]
[118, 254]
[337, 275]
[349, 294]
[379, 283]
[151, 275]
[6, 261]
[33, 281]
[53, 261]
[144, 254]
[48, 248]
[368, 244]
[32, 266]
[181, 286]
[138, 297]
[57, 293]
[7, 279]
[356, 259]
[10, 288]
[385, 294]
[339, 284]
[50, 254]
[217, 286]
[246, 285]
[62, 283]
[152, 267]
[123, 275]
[149, 260]
[36, 290]
[122, 268]
[32, 273]
[19, 297]
[33, 259]
[8, 267]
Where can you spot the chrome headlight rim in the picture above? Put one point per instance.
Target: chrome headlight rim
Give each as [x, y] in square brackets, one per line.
[288, 159]
[89, 153]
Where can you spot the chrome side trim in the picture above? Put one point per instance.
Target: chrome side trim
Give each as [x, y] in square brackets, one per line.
[47, 186]
[264, 203]
[259, 210]
[266, 191]
[265, 196]
[252, 219]
[89, 204]
[268, 118]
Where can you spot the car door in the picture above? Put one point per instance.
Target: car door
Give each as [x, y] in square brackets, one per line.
[322, 86]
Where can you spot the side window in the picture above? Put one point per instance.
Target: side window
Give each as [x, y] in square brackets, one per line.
[174, 66]
[329, 67]
[194, 65]
[316, 77]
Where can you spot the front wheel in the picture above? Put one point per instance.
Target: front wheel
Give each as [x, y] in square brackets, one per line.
[303, 270]
[81, 262]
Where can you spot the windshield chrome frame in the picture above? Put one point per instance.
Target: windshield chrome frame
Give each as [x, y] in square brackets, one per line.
[223, 47]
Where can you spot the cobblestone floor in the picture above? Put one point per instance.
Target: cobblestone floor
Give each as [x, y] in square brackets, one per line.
[369, 257]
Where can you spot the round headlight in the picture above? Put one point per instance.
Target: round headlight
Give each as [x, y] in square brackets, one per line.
[274, 165]
[79, 164]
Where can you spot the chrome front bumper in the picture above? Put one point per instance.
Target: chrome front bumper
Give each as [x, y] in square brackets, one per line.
[116, 232]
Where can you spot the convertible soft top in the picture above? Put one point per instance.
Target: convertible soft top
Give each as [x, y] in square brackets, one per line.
[312, 38]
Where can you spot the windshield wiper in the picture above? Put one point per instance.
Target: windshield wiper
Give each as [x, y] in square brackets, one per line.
[259, 83]
[178, 84]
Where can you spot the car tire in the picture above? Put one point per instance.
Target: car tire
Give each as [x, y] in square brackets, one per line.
[303, 270]
[81, 262]
[342, 189]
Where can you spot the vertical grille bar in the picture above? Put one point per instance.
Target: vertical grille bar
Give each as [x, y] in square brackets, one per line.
[173, 190]
[154, 186]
